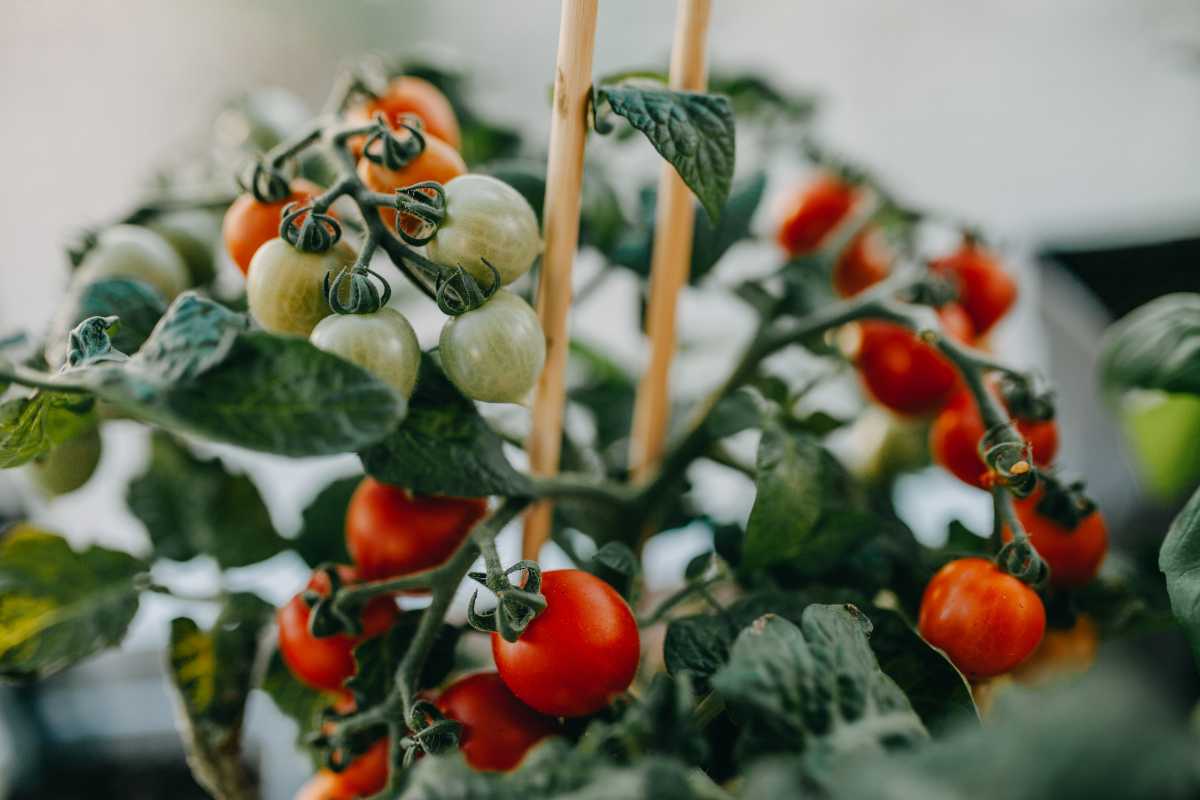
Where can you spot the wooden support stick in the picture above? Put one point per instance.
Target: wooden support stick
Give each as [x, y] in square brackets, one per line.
[564, 183]
[669, 265]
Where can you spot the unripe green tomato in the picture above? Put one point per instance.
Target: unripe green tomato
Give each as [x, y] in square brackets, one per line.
[193, 234]
[486, 219]
[69, 465]
[285, 287]
[495, 352]
[383, 343]
[131, 251]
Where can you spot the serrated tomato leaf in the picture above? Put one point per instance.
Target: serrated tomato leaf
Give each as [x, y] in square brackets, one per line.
[57, 605]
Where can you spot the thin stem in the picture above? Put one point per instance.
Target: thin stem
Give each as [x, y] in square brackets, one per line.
[23, 375]
[683, 595]
[290, 148]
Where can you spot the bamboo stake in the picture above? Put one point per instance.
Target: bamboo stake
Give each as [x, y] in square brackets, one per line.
[672, 255]
[564, 183]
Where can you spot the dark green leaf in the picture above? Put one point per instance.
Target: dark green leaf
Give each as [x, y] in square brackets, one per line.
[59, 606]
[211, 672]
[1156, 346]
[138, 305]
[322, 537]
[756, 96]
[814, 685]
[1125, 600]
[692, 131]
[618, 566]
[444, 446]
[1179, 560]
[378, 658]
[733, 414]
[192, 506]
[31, 426]
[660, 721]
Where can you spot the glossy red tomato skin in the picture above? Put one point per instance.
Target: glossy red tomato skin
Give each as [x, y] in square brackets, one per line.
[326, 662]
[498, 729]
[905, 374]
[1073, 555]
[249, 224]
[391, 532]
[367, 774]
[813, 211]
[955, 434]
[866, 262]
[985, 620]
[411, 95]
[576, 655]
[985, 290]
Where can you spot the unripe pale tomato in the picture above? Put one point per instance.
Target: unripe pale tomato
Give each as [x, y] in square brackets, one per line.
[193, 234]
[486, 219]
[498, 728]
[985, 620]
[131, 251]
[69, 465]
[409, 95]
[383, 343]
[955, 434]
[249, 224]
[285, 287]
[438, 162]
[866, 262]
[813, 211]
[985, 290]
[495, 352]
[1074, 555]
[326, 662]
[391, 532]
[578, 654]
[904, 373]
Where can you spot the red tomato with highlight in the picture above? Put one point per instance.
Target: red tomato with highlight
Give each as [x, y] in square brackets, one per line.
[985, 290]
[326, 662]
[866, 262]
[985, 620]
[955, 435]
[905, 374]
[498, 728]
[1074, 555]
[576, 655]
[249, 224]
[325, 785]
[438, 162]
[409, 95]
[813, 211]
[391, 532]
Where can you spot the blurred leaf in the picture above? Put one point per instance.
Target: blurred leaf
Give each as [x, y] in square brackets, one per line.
[211, 672]
[57, 605]
[659, 721]
[1179, 560]
[1156, 346]
[138, 305]
[294, 699]
[756, 97]
[1125, 600]
[322, 538]
[618, 566]
[378, 657]
[192, 506]
[444, 446]
[31, 426]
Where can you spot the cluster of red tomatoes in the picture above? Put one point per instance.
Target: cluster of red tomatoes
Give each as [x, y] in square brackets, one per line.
[578, 654]
[987, 621]
[493, 353]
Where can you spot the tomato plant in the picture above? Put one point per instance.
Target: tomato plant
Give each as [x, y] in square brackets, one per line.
[495, 352]
[283, 286]
[813, 211]
[985, 289]
[250, 223]
[408, 94]
[1073, 548]
[497, 728]
[487, 220]
[957, 431]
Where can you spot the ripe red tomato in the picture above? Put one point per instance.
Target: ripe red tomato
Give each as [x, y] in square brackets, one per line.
[367, 774]
[408, 95]
[577, 654]
[985, 290]
[497, 727]
[904, 373]
[391, 532]
[985, 620]
[249, 224]
[813, 211]
[325, 785]
[326, 662]
[955, 434]
[438, 162]
[866, 262]
[1073, 555]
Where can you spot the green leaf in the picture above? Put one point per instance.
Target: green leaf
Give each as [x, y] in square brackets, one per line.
[444, 446]
[211, 672]
[378, 657]
[203, 372]
[806, 511]
[660, 721]
[192, 506]
[692, 131]
[1156, 346]
[814, 685]
[618, 566]
[31, 426]
[1179, 559]
[138, 305]
[322, 538]
[59, 606]
[302, 704]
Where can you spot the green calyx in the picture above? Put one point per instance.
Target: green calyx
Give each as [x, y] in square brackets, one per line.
[358, 285]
